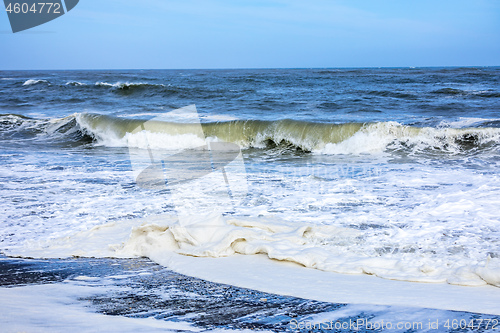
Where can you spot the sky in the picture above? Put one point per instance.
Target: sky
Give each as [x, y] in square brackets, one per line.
[183, 34]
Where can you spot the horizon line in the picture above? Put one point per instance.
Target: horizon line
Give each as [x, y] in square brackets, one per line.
[253, 68]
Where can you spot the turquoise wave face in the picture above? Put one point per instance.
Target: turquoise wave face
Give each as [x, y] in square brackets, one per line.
[166, 132]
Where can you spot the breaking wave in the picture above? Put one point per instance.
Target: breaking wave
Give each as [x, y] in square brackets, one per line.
[320, 138]
[152, 89]
[323, 247]
[129, 86]
[325, 138]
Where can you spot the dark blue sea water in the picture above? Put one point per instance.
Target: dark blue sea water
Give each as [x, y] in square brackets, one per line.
[407, 95]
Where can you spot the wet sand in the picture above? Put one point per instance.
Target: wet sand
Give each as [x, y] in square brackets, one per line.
[139, 288]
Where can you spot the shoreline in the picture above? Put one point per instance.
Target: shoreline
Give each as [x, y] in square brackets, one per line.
[286, 278]
[140, 292]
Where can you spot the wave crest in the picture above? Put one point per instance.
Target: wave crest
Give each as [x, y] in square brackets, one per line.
[32, 82]
[128, 85]
[319, 138]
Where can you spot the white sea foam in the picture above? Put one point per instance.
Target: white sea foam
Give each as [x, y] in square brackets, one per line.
[323, 247]
[434, 220]
[372, 139]
[146, 139]
[122, 85]
[428, 222]
[286, 278]
[218, 117]
[75, 83]
[24, 308]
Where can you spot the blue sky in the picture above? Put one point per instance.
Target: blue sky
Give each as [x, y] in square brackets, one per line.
[144, 34]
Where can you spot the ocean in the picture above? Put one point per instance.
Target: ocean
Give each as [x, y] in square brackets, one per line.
[392, 173]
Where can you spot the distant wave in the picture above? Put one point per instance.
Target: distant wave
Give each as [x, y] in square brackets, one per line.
[472, 93]
[138, 88]
[487, 94]
[145, 87]
[392, 93]
[128, 88]
[128, 85]
[32, 82]
[449, 91]
[15, 122]
[463, 122]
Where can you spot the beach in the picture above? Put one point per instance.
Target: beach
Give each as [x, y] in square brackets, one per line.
[139, 295]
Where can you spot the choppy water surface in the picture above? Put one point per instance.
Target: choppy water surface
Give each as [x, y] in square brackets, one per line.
[391, 172]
